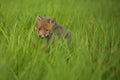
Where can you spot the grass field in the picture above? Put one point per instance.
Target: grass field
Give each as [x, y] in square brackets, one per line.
[93, 52]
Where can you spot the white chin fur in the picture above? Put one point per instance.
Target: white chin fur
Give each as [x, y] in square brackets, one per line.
[46, 35]
[42, 36]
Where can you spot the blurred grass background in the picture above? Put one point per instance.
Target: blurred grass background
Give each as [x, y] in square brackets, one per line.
[93, 52]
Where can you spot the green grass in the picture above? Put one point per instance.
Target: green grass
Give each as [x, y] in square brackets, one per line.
[93, 52]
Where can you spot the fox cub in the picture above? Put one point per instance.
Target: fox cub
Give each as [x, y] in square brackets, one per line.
[48, 27]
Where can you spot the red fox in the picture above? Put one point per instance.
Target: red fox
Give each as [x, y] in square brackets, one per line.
[47, 27]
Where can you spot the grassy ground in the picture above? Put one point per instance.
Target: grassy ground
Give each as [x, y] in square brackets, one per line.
[93, 52]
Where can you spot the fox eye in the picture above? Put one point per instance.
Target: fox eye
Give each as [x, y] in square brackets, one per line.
[39, 29]
[46, 30]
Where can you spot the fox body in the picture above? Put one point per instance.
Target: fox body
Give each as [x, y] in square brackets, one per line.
[47, 27]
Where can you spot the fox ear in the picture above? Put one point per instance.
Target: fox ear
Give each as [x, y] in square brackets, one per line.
[52, 21]
[39, 18]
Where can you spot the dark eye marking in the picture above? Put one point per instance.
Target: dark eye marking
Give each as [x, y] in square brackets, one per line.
[39, 29]
[46, 30]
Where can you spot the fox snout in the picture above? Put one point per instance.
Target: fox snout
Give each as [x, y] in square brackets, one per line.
[42, 35]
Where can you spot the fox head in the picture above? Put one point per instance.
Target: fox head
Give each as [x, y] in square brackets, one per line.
[45, 26]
